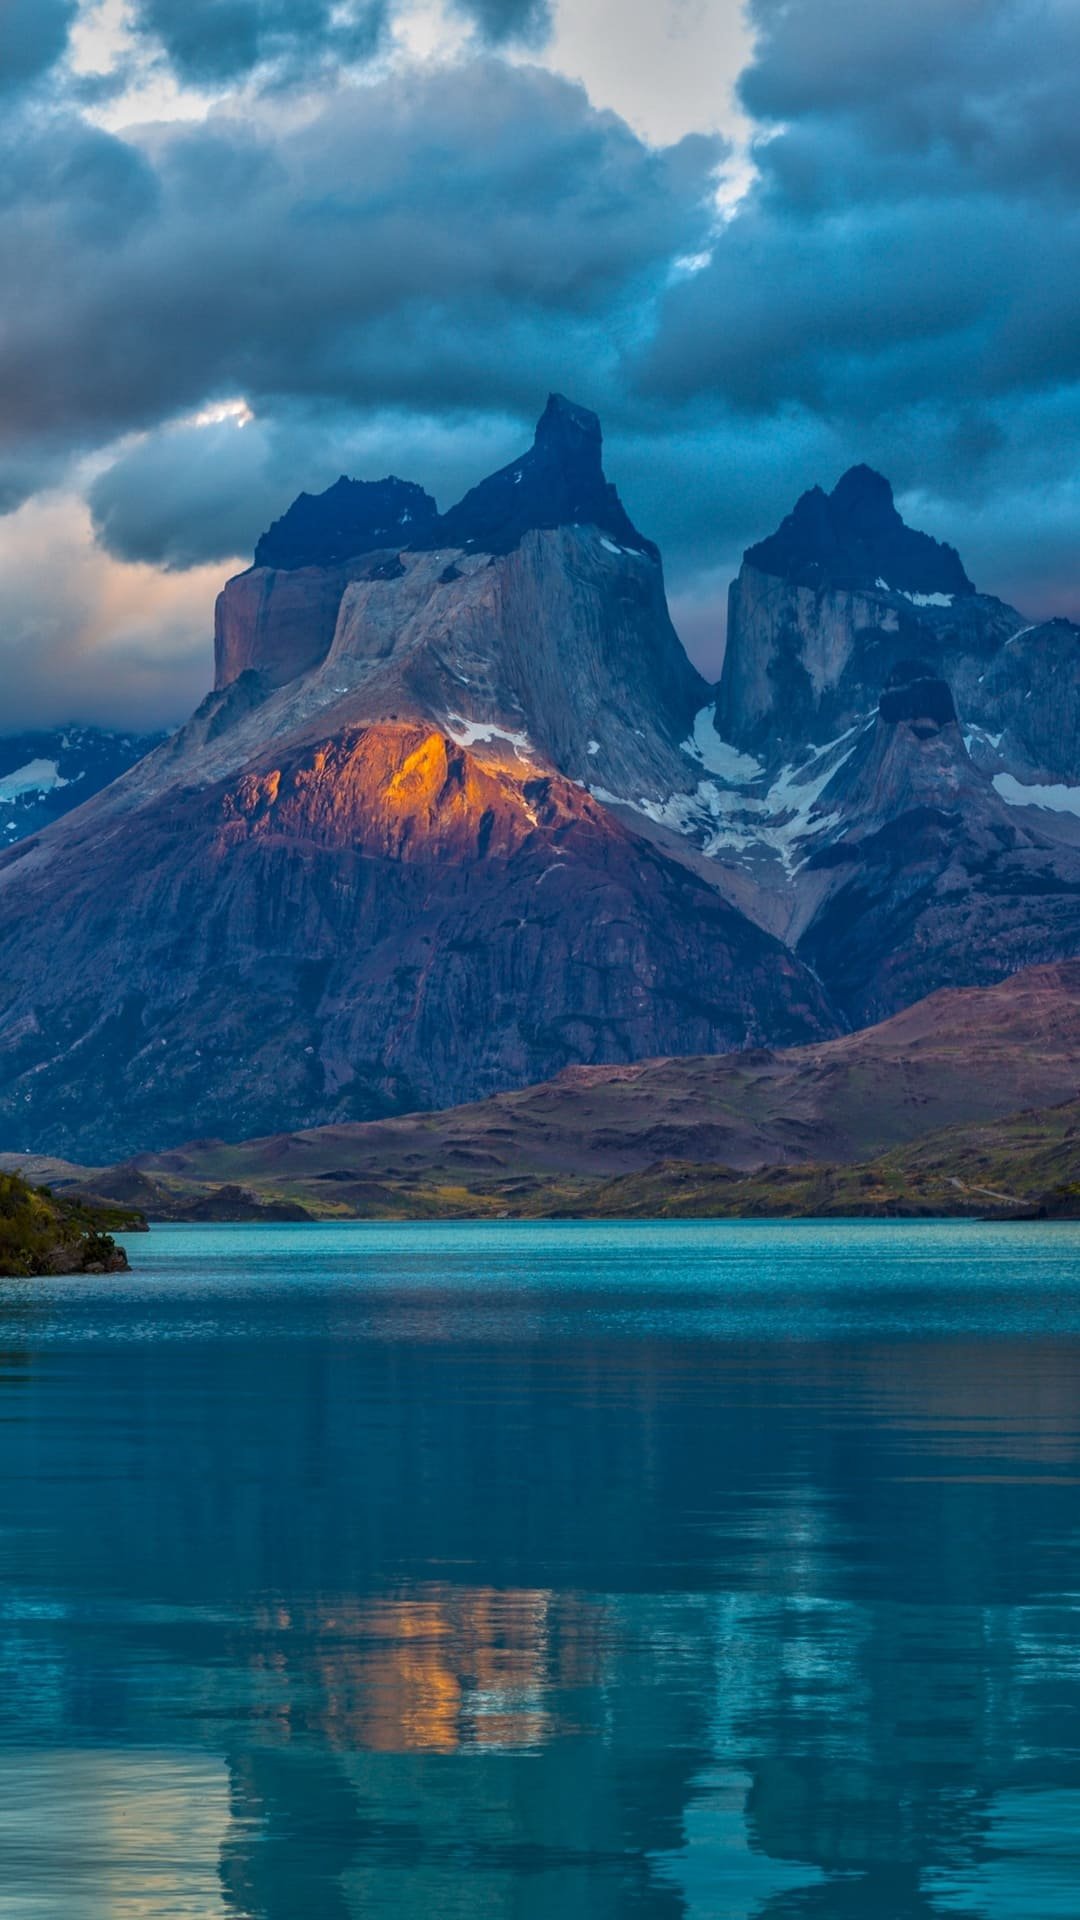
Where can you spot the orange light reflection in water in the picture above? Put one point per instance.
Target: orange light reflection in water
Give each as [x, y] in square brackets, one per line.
[445, 1669]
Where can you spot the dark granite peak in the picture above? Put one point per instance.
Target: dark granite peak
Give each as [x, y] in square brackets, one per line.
[855, 538]
[575, 429]
[559, 482]
[916, 694]
[350, 518]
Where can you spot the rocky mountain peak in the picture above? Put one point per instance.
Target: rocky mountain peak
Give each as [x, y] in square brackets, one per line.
[559, 482]
[864, 496]
[573, 431]
[350, 518]
[855, 538]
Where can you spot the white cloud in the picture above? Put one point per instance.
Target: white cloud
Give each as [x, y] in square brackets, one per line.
[668, 66]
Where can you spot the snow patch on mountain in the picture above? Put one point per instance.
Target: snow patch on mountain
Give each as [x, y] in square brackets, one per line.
[977, 736]
[1054, 799]
[740, 813]
[718, 755]
[918, 599]
[468, 733]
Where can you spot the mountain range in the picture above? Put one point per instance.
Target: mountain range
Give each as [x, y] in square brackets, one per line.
[460, 814]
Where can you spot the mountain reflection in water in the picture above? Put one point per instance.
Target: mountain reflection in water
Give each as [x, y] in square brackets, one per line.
[677, 1571]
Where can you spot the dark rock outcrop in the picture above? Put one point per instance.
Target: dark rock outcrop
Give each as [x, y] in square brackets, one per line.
[350, 518]
[914, 695]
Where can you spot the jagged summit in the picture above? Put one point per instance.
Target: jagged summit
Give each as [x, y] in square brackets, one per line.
[350, 518]
[853, 538]
[558, 483]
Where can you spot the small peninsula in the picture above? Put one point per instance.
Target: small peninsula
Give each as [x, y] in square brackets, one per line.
[43, 1234]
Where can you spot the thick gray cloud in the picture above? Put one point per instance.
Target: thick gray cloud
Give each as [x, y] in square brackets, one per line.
[920, 95]
[209, 41]
[452, 240]
[33, 35]
[914, 235]
[905, 273]
[191, 494]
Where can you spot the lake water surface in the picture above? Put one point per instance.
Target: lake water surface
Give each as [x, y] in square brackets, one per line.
[676, 1572]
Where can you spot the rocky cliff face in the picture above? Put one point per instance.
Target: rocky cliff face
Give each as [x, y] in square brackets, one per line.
[533, 613]
[368, 875]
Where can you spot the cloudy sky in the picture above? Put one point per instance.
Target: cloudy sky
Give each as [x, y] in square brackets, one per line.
[246, 245]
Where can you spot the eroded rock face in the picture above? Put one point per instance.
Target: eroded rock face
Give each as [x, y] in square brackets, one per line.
[277, 624]
[802, 664]
[832, 603]
[1026, 710]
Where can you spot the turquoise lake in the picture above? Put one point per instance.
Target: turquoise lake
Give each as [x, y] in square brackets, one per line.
[675, 1572]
